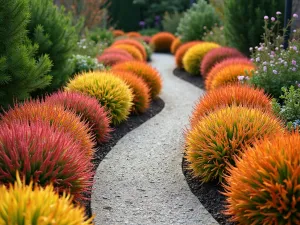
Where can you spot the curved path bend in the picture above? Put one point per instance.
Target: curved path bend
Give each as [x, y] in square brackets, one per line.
[140, 181]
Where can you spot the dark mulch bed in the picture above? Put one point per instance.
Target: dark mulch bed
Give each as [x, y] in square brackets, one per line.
[209, 193]
[195, 80]
[119, 131]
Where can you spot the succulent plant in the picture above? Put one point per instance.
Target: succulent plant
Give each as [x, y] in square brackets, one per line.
[228, 95]
[181, 52]
[111, 92]
[162, 41]
[146, 72]
[44, 154]
[263, 188]
[55, 116]
[118, 51]
[118, 33]
[140, 90]
[134, 43]
[31, 204]
[133, 34]
[136, 54]
[216, 56]
[110, 59]
[220, 66]
[175, 45]
[88, 108]
[195, 54]
[215, 141]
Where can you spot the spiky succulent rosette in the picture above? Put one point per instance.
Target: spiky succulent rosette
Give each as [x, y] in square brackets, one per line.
[111, 92]
[133, 34]
[162, 41]
[45, 155]
[223, 64]
[132, 50]
[134, 43]
[175, 45]
[88, 108]
[146, 72]
[110, 59]
[181, 52]
[195, 54]
[140, 90]
[118, 51]
[31, 204]
[55, 116]
[229, 95]
[216, 56]
[222, 135]
[263, 188]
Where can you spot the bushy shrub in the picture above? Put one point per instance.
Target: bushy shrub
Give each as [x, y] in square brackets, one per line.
[244, 21]
[148, 49]
[133, 34]
[136, 54]
[231, 74]
[193, 23]
[55, 116]
[238, 95]
[88, 108]
[88, 47]
[276, 67]
[263, 187]
[118, 33]
[51, 28]
[171, 21]
[45, 155]
[215, 141]
[111, 92]
[140, 90]
[220, 66]
[16, 203]
[134, 43]
[194, 56]
[21, 73]
[149, 31]
[216, 56]
[181, 52]
[175, 45]
[150, 75]
[84, 63]
[162, 41]
[110, 59]
[216, 34]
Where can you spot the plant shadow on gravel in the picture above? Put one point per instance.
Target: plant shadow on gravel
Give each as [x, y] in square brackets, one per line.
[120, 131]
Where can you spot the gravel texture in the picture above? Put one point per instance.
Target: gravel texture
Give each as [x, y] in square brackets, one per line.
[140, 181]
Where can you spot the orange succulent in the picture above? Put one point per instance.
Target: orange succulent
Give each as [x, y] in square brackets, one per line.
[134, 43]
[264, 186]
[162, 41]
[227, 96]
[136, 54]
[181, 52]
[175, 45]
[133, 34]
[118, 33]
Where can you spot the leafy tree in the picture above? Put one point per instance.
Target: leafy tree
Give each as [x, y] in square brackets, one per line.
[21, 73]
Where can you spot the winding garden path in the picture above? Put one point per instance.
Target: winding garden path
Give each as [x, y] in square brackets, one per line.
[141, 181]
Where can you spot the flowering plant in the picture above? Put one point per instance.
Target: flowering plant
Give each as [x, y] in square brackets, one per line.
[276, 67]
[84, 63]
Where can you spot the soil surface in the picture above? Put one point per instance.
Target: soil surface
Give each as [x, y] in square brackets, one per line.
[192, 79]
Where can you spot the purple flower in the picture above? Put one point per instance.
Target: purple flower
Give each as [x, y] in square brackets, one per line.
[278, 13]
[275, 72]
[295, 15]
[295, 48]
[265, 69]
[157, 18]
[273, 19]
[294, 69]
[142, 23]
[266, 17]
[298, 85]
[240, 78]
[257, 59]
[294, 62]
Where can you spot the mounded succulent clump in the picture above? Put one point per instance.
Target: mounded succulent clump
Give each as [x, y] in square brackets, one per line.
[31, 204]
[140, 90]
[118, 51]
[239, 95]
[146, 72]
[195, 54]
[263, 188]
[133, 34]
[134, 43]
[111, 92]
[220, 66]
[175, 45]
[216, 56]
[182, 50]
[219, 137]
[110, 59]
[89, 110]
[133, 51]
[55, 116]
[162, 41]
[118, 33]
[45, 155]
[146, 39]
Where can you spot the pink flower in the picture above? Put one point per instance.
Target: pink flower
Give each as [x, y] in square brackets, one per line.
[278, 13]
[273, 19]
[294, 62]
[266, 17]
[295, 15]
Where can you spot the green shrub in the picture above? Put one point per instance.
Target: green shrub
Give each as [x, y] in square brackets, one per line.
[53, 31]
[84, 63]
[148, 49]
[149, 31]
[101, 35]
[196, 20]
[244, 21]
[216, 35]
[21, 73]
[171, 21]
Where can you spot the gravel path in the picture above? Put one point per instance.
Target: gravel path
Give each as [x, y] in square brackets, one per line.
[140, 181]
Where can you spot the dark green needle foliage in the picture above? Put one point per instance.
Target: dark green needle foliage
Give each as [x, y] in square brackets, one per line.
[20, 72]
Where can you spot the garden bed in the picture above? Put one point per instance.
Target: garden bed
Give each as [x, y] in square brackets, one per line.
[120, 131]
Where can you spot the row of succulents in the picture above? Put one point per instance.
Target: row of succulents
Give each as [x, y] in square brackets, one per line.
[48, 144]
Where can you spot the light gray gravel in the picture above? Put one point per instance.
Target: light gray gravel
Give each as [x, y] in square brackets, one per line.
[140, 181]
